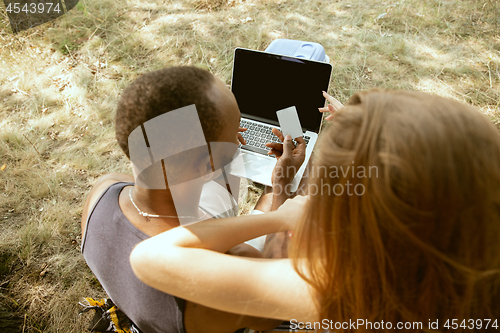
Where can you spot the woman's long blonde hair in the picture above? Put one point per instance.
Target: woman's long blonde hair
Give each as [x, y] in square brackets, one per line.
[418, 237]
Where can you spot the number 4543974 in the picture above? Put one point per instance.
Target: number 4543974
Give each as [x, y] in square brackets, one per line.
[454, 324]
[33, 8]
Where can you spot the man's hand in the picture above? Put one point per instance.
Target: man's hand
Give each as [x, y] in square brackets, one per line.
[240, 137]
[276, 148]
[289, 156]
[334, 106]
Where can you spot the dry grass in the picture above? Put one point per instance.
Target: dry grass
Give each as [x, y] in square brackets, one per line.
[59, 84]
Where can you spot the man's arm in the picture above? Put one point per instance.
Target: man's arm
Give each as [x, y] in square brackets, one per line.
[101, 185]
[288, 155]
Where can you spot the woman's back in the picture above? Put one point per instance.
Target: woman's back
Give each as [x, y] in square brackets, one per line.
[422, 241]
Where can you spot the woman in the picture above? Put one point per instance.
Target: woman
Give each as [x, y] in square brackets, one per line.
[411, 238]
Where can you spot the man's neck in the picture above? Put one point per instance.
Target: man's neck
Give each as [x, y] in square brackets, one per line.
[164, 202]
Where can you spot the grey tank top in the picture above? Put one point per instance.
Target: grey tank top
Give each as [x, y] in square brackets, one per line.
[109, 239]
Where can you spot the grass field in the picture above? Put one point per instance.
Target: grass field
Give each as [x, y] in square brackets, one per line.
[59, 84]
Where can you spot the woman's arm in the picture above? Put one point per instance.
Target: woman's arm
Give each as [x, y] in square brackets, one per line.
[183, 262]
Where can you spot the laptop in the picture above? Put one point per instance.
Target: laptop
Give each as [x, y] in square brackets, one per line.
[264, 83]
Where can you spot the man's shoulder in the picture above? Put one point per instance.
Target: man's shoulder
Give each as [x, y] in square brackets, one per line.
[99, 187]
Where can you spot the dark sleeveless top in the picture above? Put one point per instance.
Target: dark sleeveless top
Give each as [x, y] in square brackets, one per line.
[109, 239]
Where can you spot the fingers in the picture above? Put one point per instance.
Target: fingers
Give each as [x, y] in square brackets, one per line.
[279, 146]
[300, 140]
[332, 110]
[273, 145]
[278, 133]
[276, 149]
[329, 108]
[301, 143]
[328, 97]
[300, 150]
[336, 104]
[276, 153]
[288, 146]
[241, 139]
[333, 107]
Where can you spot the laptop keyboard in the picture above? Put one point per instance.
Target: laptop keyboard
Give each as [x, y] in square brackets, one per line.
[258, 134]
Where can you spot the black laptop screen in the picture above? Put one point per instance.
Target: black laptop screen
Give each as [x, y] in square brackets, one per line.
[264, 83]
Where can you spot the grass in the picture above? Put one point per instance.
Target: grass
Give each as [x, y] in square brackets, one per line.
[59, 84]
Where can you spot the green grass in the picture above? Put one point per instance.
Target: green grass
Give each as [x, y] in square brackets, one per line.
[59, 85]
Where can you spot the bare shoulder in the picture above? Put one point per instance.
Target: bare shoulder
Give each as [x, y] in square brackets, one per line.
[100, 186]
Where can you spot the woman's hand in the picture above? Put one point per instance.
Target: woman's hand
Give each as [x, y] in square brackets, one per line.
[292, 211]
[334, 106]
[289, 156]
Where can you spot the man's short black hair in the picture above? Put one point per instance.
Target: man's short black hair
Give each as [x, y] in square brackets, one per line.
[164, 90]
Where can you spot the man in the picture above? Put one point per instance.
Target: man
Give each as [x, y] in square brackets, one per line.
[118, 213]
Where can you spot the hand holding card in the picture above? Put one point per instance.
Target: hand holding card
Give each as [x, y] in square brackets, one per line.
[289, 122]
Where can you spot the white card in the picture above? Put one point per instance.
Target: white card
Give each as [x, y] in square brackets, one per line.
[289, 122]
